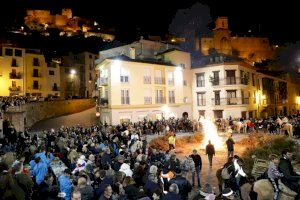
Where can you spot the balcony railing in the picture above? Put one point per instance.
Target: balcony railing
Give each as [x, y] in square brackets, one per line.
[15, 88]
[170, 81]
[147, 79]
[15, 75]
[160, 100]
[230, 81]
[159, 80]
[201, 102]
[103, 102]
[171, 99]
[125, 100]
[103, 81]
[230, 101]
[148, 100]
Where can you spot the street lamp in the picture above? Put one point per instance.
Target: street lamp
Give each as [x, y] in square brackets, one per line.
[73, 73]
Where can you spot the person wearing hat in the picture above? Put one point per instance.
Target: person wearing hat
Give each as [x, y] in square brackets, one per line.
[183, 184]
[65, 184]
[227, 193]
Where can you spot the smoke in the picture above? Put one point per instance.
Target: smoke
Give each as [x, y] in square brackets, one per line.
[191, 23]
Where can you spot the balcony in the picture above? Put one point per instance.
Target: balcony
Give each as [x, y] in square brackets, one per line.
[147, 79]
[125, 100]
[159, 80]
[15, 75]
[160, 100]
[55, 88]
[229, 101]
[171, 99]
[229, 81]
[201, 102]
[147, 100]
[103, 102]
[103, 81]
[170, 81]
[36, 75]
[15, 88]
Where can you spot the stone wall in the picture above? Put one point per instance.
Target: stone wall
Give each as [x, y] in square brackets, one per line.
[29, 114]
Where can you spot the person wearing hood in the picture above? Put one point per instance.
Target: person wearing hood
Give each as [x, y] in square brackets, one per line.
[80, 165]
[126, 169]
[39, 171]
[65, 184]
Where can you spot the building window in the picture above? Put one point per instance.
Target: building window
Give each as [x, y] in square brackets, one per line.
[217, 99]
[253, 80]
[159, 79]
[125, 97]
[182, 65]
[35, 73]
[230, 77]
[231, 97]
[200, 80]
[51, 72]
[14, 62]
[36, 62]
[147, 76]
[160, 96]
[124, 75]
[201, 99]
[35, 85]
[90, 56]
[170, 78]
[18, 52]
[171, 96]
[8, 52]
[148, 96]
[184, 82]
[216, 78]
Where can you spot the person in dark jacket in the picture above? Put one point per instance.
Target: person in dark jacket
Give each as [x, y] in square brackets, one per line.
[198, 166]
[183, 184]
[290, 177]
[86, 191]
[230, 146]
[151, 184]
[210, 152]
[173, 193]
[130, 188]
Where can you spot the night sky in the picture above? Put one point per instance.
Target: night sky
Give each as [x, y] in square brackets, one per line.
[276, 20]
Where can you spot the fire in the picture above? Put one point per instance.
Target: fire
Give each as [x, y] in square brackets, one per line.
[210, 133]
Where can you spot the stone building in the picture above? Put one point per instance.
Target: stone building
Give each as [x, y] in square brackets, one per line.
[251, 49]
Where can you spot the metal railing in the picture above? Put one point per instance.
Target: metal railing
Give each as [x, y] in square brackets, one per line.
[15, 75]
[229, 101]
[148, 100]
[15, 89]
[170, 81]
[159, 80]
[201, 102]
[160, 100]
[171, 99]
[230, 81]
[125, 100]
[147, 79]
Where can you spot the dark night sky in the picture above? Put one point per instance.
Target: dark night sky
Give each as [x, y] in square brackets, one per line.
[277, 20]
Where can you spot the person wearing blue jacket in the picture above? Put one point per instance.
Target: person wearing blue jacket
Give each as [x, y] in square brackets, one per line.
[39, 170]
[65, 184]
[43, 156]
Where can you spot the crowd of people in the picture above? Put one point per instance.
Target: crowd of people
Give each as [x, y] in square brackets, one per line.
[7, 102]
[113, 162]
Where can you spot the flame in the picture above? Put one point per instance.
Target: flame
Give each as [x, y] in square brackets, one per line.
[210, 133]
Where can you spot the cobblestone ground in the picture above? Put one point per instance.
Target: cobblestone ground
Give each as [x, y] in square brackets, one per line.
[208, 174]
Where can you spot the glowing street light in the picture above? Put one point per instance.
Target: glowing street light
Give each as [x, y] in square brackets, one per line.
[73, 71]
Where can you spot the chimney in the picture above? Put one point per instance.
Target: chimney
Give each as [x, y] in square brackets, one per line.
[132, 53]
